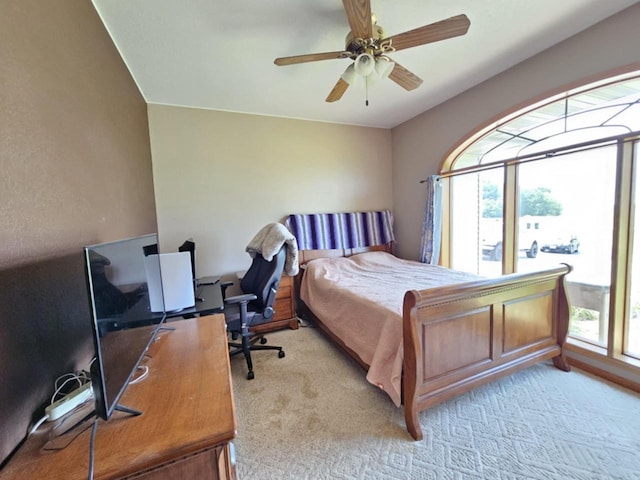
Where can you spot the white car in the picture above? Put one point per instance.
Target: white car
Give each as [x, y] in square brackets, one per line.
[562, 244]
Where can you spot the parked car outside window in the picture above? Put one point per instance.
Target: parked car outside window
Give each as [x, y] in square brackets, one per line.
[562, 244]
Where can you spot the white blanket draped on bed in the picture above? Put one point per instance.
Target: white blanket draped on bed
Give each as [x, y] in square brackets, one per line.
[359, 299]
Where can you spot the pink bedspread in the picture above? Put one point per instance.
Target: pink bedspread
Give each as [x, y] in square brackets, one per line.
[359, 299]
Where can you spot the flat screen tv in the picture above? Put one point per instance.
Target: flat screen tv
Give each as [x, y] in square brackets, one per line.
[124, 325]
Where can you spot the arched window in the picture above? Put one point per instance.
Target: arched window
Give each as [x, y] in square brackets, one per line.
[553, 183]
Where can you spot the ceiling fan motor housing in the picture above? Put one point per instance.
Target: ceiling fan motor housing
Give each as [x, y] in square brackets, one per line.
[358, 46]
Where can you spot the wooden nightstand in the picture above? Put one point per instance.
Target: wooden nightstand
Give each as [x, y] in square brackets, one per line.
[284, 306]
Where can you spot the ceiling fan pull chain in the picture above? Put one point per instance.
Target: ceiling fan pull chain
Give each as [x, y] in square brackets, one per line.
[366, 91]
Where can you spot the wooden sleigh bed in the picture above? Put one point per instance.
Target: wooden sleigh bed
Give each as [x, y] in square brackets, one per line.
[452, 337]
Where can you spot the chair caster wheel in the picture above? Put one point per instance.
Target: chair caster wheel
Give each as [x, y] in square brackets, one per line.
[281, 354]
[263, 340]
[250, 376]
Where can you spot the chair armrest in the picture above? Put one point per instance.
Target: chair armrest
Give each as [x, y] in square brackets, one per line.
[243, 298]
[223, 287]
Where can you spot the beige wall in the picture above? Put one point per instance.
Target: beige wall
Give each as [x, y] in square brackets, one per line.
[75, 162]
[420, 144]
[219, 177]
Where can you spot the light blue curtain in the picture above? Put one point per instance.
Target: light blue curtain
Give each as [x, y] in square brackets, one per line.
[432, 225]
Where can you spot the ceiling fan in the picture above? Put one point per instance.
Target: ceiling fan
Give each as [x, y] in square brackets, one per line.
[368, 47]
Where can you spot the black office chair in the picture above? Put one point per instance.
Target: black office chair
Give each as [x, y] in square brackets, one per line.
[254, 306]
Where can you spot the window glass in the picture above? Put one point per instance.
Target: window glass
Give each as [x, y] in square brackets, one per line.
[601, 112]
[632, 330]
[476, 228]
[566, 206]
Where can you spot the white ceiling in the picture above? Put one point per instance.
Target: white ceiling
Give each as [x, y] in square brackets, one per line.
[218, 54]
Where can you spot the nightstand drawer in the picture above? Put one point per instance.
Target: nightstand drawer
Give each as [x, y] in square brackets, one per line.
[283, 309]
[284, 292]
[284, 299]
[283, 305]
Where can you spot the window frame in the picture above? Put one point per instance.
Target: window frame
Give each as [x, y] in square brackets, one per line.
[611, 362]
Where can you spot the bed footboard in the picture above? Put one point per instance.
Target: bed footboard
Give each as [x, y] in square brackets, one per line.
[459, 337]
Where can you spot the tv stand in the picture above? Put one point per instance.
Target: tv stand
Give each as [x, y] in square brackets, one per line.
[185, 432]
[122, 408]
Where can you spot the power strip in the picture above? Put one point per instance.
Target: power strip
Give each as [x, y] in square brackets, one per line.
[70, 401]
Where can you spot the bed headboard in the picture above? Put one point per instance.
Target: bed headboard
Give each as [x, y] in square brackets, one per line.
[341, 234]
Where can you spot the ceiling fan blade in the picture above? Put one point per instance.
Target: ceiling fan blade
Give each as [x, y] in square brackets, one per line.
[434, 32]
[359, 16]
[311, 57]
[404, 77]
[338, 90]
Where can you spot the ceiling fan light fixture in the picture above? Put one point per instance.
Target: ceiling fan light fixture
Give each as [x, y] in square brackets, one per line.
[364, 64]
[384, 67]
[350, 76]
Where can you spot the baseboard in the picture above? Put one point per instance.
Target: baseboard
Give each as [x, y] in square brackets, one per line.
[611, 377]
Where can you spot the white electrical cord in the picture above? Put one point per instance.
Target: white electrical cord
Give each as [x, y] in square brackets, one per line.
[81, 378]
[143, 375]
[37, 425]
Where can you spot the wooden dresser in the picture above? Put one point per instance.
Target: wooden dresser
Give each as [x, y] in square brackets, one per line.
[185, 431]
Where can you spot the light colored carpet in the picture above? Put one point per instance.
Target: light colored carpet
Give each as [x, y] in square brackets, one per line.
[312, 415]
